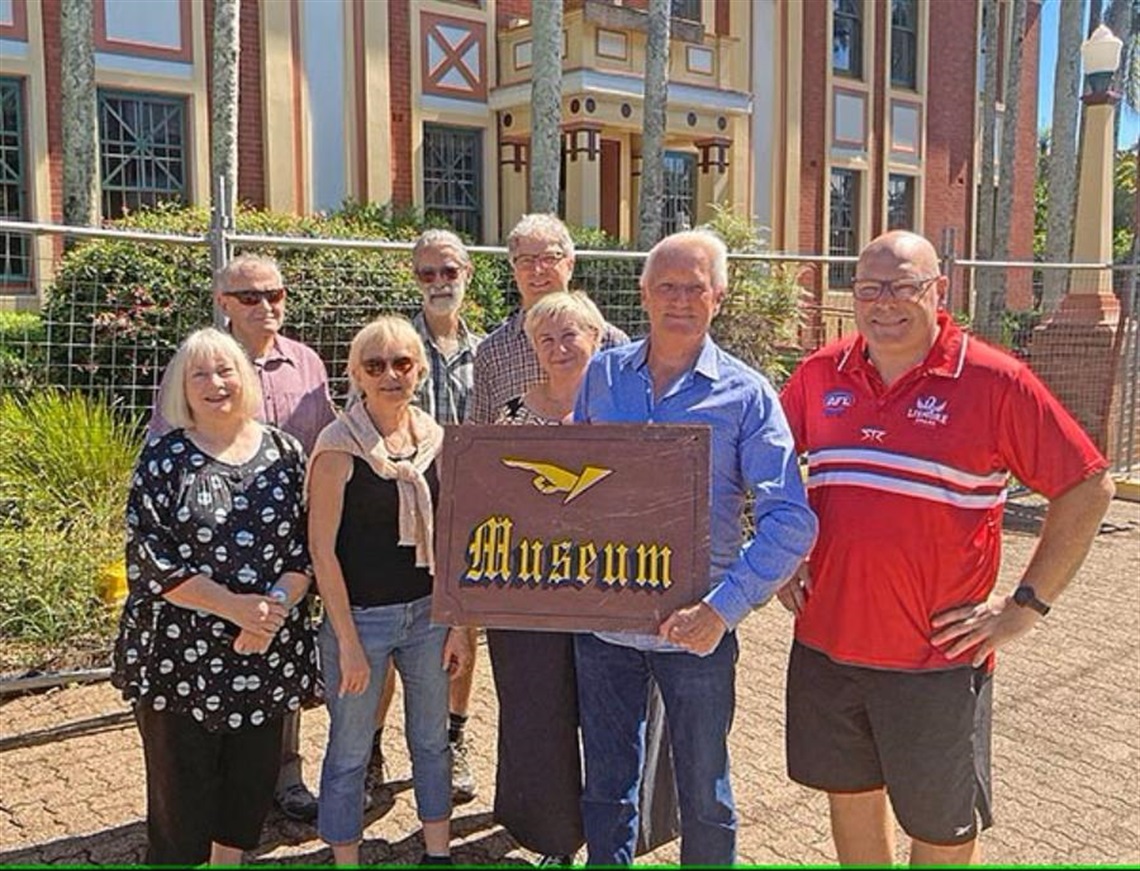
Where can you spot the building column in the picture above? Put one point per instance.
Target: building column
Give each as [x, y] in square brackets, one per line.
[514, 158]
[712, 175]
[583, 150]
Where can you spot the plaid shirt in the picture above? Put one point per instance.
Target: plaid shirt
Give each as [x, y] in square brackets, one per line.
[506, 366]
[444, 395]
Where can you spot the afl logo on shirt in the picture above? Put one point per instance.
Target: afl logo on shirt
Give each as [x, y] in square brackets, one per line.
[929, 411]
[836, 402]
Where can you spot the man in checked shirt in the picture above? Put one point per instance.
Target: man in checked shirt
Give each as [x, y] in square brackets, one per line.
[542, 257]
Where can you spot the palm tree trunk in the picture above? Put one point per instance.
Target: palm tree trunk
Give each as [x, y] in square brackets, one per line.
[546, 106]
[1121, 20]
[1062, 171]
[80, 124]
[224, 100]
[652, 197]
[991, 314]
[985, 238]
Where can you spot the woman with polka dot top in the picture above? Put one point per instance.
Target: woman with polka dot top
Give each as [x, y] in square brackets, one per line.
[215, 643]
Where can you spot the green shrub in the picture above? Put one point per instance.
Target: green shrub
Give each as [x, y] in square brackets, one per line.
[117, 310]
[762, 312]
[21, 350]
[65, 466]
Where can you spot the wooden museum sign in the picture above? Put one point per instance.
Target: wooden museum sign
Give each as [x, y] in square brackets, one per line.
[572, 528]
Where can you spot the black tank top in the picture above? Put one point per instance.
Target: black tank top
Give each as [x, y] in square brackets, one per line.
[377, 570]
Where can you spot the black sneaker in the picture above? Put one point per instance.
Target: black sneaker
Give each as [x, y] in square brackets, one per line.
[462, 780]
[425, 859]
[297, 803]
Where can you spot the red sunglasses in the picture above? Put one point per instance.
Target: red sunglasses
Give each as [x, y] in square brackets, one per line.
[428, 274]
[377, 366]
[273, 295]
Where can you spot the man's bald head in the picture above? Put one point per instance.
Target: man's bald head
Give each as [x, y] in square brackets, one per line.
[902, 246]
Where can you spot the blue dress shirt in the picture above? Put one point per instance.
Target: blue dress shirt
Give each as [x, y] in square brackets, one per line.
[752, 449]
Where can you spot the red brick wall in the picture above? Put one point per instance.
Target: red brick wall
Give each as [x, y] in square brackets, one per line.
[505, 10]
[53, 73]
[251, 132]
[949, 159]
[813, 136]
[879, 141]
[400, 82]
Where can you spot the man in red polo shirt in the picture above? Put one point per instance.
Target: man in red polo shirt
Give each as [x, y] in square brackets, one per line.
[912, 429]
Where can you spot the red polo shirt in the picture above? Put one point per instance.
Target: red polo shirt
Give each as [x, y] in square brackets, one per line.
[909, 483]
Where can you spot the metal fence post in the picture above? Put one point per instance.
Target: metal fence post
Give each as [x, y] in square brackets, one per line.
[221, 223]
[949, 256]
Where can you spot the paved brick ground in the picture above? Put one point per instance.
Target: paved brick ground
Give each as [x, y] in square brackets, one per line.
[1066, 750]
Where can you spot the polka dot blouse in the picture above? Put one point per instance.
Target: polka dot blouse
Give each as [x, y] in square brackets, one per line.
[242, 526]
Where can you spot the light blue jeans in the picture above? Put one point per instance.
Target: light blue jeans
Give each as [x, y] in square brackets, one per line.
[405, 633]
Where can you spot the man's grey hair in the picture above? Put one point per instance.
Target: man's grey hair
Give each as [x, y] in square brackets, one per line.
[541, 226]
[701, 237]
[240, 264]
[439, 238]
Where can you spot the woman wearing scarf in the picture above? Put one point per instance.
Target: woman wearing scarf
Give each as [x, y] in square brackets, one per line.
[372, 487]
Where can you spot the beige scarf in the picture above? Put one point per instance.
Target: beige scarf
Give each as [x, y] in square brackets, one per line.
[354, 433]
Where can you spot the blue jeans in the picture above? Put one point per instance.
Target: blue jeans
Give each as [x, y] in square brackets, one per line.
[405, 633]
[700, 696]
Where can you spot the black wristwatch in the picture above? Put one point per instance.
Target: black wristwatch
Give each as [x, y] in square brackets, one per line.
[1026, 597]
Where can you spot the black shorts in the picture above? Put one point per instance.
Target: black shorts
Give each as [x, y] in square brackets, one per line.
[204, 786]
[925, 736]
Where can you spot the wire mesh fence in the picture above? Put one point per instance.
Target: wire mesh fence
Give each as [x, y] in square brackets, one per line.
[115, 310]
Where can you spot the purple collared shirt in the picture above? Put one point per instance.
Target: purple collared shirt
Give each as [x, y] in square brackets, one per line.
[294, 393]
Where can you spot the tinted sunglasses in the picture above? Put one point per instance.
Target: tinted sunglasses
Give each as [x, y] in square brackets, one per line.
[428, 274]
[377, 366]
[272, 295]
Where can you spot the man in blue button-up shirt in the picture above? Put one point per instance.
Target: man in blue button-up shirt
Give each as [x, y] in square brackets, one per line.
[679, 375]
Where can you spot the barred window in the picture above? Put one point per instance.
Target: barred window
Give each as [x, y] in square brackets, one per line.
[900, 202]
[689, 10]
[847, 38]
[680, 192]
[15, 250]
[142, 151]
[844, 235]
[453, 172]
[904, 42]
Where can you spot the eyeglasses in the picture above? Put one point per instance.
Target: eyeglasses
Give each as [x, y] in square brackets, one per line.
[905, 289]
[527, 262]
[377, 366]
[427, 274]
[272, 295]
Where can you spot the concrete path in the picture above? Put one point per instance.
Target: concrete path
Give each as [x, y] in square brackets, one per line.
[1066, 749]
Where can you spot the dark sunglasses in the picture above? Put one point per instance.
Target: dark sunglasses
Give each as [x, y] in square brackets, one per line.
[272, 296]
[377, 366]
[427, 275]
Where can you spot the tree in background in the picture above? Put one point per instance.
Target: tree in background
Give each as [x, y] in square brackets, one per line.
[224, 100]
[985, 229]
[546, 106]
[652, 194]
[1061, 166]
[80, 124]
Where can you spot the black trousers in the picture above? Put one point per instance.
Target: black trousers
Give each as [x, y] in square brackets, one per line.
[204, 787]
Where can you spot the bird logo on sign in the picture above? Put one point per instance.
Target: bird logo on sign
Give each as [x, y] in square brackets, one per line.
[549, 478]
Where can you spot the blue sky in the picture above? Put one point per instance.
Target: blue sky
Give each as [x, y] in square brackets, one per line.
[1130, 123]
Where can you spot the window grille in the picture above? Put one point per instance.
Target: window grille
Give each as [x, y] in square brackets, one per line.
[844, 235]
[453, 168]
[680, 192]
[847, 38]
[900, 202]
[142, 151]
[904, 42]
[15, 255]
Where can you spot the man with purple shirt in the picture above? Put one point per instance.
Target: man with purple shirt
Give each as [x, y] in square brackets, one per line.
[295, 397]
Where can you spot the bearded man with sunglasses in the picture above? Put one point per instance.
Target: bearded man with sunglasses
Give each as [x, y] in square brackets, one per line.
[295, 397]
[442, 268]
[912, 429]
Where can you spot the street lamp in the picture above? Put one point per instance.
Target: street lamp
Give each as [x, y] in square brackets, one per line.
[1100, 56]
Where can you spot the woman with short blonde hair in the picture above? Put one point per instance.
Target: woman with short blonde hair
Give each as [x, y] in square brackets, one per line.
[206, 344]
